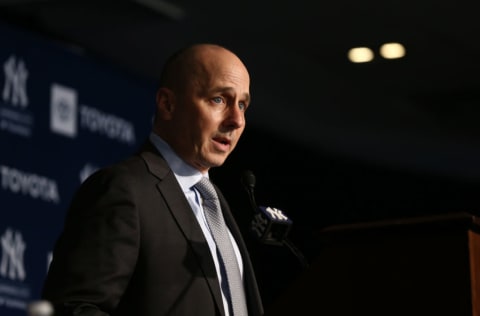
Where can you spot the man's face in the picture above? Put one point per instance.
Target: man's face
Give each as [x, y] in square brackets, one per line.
[209, 116]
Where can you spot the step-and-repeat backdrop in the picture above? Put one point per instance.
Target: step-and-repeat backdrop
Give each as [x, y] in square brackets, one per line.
[62, 116]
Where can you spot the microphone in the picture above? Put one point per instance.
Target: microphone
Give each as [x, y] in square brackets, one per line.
[269, 225]
[248, 180]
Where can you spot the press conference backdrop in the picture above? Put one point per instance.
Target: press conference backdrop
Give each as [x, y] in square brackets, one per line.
[62, 115]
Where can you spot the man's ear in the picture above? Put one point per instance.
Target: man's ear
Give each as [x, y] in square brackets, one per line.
[165, 103]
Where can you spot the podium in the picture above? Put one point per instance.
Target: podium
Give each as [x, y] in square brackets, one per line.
[414, 266]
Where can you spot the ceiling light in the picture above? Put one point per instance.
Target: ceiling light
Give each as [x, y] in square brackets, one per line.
[360, 55]
[392, 50]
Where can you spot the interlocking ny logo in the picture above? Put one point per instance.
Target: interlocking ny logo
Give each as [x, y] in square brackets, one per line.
[15, 88]
[13, 247]
[277, 214]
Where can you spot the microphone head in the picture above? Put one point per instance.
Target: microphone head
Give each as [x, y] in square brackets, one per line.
[270, 225]
[248, 179]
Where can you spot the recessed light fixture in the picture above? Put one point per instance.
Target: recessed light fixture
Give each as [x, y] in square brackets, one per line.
[360, 55]
[392, 50]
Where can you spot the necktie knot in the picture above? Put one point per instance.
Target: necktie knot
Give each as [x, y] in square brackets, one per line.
[206, 189]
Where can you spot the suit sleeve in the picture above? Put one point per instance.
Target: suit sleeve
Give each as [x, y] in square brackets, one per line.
[96, 253]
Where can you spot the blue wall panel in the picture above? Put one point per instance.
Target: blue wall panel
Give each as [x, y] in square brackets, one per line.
[62, 115]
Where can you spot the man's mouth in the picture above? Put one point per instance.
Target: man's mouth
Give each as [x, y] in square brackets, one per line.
[222, 140]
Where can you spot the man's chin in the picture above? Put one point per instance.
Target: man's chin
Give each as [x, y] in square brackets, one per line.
[206, 164]
[216, 161]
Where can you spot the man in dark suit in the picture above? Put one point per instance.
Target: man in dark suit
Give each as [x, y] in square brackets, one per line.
[136, 240]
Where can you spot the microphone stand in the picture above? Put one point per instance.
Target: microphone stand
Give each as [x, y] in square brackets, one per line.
[296, 252]
[248, 180]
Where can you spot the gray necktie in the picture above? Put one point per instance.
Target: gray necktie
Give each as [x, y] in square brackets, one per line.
[213, 214]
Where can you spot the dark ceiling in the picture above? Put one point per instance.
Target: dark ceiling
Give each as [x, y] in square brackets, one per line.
[419, 111]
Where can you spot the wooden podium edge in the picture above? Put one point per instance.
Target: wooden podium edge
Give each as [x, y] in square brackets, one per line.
[474, 250]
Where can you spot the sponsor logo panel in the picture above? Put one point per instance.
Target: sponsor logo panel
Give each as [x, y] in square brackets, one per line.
[63, 110]
[66, 118]
[14, 115]
[29, 184]
[14, 293]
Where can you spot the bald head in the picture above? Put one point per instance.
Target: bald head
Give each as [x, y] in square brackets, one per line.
[193, 63]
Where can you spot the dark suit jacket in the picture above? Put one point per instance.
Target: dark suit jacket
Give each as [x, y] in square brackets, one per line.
[132, 246]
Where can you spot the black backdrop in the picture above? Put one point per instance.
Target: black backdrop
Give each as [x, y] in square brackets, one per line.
[320, 189]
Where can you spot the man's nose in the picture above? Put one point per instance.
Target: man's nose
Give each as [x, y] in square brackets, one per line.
[235, 117]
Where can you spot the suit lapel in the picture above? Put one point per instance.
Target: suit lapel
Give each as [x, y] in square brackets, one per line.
[179, 208]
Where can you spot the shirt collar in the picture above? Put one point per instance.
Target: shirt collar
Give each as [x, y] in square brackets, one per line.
[186, 175]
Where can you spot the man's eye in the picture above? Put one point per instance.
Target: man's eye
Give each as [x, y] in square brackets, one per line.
[217, 100]
[242, 106]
